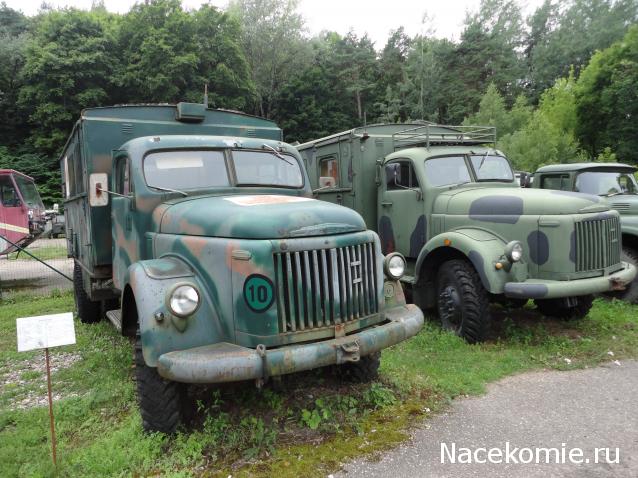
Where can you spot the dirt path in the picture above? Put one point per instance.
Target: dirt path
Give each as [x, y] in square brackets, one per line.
[571, 411]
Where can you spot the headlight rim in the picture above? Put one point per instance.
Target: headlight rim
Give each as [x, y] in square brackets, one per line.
[386, 265]
[509, 249]
[172, 290]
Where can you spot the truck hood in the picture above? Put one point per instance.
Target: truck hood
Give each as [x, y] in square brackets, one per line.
[623, 203]
[514, 202]
[265, 216]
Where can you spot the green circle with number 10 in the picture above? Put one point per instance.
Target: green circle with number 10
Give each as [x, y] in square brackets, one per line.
[258, 292]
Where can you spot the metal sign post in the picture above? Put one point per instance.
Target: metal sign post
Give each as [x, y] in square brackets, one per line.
[44, 332]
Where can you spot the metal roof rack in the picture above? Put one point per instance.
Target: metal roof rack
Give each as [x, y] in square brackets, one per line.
[437, 134]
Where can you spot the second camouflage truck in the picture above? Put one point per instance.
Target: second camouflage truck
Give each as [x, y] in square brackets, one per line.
[195, 231]
[448, 202]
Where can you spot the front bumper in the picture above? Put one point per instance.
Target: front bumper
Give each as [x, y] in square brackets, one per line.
[547, 289]
[225, 362]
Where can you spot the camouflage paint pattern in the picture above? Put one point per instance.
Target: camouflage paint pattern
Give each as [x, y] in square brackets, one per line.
[216, 240]
[475, 220]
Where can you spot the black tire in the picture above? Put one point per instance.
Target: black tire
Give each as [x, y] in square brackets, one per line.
[365, 370]
[462, 301]
[556, 307]
[89, 311]
[630, 294]
[160, 400]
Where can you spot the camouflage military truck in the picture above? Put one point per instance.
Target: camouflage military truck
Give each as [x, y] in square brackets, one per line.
[195, 231]
[613, 184]
[450, 204]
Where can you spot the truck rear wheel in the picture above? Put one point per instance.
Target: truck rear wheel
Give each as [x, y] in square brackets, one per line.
[160, 400]
[462, 301]
[630, 294]
[89, 311]
[558, 308]
[365, 370]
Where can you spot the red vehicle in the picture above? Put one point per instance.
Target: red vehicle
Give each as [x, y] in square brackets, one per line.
[22, 217]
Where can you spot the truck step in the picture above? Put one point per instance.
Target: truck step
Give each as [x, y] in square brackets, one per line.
[115, 316]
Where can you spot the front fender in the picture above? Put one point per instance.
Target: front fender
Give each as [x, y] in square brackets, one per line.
[150, 282]
[629, 225]
[482, 248]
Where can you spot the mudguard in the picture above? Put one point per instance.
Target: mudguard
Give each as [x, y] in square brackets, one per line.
[151, 282]
[483, 249]
[629, 225]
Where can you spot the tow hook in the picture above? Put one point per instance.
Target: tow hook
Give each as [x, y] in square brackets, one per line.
[261, 351]
[617, 284]
[348, 352]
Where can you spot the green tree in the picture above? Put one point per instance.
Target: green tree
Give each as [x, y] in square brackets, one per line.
[273, 44]
[68, 66]
[565, 38]
[607, 100]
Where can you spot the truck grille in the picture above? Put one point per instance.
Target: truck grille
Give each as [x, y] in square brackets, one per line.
[597, 244]
[325, 287]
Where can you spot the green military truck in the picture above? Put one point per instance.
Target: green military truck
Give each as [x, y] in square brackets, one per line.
[447, 201]
[613, 184]
[195, 231]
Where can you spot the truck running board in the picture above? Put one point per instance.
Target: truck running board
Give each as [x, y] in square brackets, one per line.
[115, 316]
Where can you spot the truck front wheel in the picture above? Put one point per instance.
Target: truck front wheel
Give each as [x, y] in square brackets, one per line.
[160, 400]
[89, 311]
[562, 309]
[462, 301]
[365, 370]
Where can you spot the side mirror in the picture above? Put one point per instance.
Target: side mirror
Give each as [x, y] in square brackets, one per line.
[326, 182]
[98, 190]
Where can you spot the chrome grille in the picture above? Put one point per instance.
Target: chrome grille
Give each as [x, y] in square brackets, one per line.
[597, 244]
[324, 287]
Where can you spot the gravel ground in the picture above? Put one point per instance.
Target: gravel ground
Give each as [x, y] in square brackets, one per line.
[586, 409]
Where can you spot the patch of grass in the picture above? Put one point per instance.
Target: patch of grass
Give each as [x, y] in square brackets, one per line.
[43, 253]
[302, 425]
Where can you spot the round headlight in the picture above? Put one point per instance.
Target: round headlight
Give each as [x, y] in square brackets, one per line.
[394, 265]
[184, 300]
[514, 251]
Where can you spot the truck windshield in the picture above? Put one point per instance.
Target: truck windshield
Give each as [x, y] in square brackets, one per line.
[606, 183]
[183, 170]
[491, 168]
[265, 168]
[29, 192]
[446, 171]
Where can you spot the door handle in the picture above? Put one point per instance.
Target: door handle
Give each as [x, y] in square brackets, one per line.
[386, 203]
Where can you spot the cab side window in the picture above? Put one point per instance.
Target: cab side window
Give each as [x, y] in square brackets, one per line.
[8, 194]
[556, 181]
[122, 177]
[329, 167]
[400, 175]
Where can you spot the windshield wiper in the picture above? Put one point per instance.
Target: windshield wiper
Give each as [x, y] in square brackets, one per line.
[482, 161]
[450, 186]
[169, 190]
[276, 153]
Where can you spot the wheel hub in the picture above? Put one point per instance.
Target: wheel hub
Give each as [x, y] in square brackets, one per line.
[450, 306]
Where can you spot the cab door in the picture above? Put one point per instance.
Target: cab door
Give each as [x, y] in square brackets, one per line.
[401, 224]
[126, 240]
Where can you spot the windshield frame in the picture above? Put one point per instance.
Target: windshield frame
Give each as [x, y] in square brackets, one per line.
[230, 168]
[22, 182]
[488, 154]
[618, 173]
[467, 156]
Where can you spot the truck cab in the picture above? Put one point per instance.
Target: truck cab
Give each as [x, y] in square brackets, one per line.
[614, 184]
[448, 201]
[22, 217]
[196, 233]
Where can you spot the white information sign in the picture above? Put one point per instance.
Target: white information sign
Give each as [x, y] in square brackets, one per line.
[45, 331]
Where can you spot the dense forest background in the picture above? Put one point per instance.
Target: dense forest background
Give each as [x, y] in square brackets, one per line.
[560, 85]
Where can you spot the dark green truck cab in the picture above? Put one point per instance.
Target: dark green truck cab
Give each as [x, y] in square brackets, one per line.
[612, 184]
[195, 232]
[449, 203]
